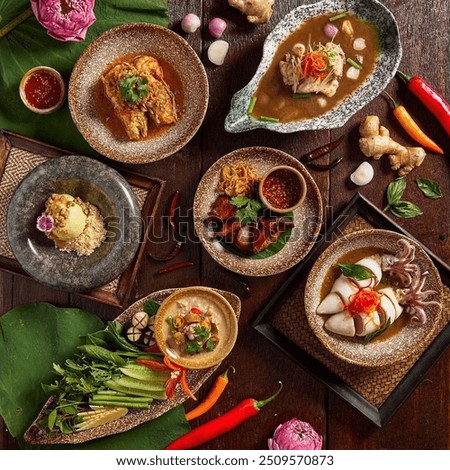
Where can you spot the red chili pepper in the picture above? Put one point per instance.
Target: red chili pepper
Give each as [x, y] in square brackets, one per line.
[175, 266]
[154, 348]
[431, 98]
[173, 208]
[153, 365]
[196, 310]
[171, 383]
[218, 426]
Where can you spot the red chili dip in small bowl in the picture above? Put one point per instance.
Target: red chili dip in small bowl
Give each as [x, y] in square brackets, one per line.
[282, 189]
[42, 90]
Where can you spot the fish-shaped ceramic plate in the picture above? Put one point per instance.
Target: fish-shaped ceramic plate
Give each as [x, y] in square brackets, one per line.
[390, 53]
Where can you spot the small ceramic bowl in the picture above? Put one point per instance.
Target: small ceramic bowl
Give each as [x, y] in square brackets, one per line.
[295, 183]
[58, 81]
[222, 315]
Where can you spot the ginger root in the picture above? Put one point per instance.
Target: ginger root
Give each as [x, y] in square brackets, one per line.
[375, 142]
[257, 11]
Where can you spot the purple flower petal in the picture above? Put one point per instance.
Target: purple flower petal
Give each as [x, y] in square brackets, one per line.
[295, 435]
[45, 223]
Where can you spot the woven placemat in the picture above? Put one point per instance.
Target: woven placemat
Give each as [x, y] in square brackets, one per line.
[19, 163]
[372, 383]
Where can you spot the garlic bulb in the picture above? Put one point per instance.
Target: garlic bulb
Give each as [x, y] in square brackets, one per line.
[363, 174]
[190, 23]
[217, 51]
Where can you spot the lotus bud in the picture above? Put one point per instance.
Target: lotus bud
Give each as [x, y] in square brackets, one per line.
[295, 435]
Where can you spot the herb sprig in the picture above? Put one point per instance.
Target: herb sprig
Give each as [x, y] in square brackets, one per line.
[355, 271]
[429, 188]
[401, 209]
[247, 208]
[133, 88]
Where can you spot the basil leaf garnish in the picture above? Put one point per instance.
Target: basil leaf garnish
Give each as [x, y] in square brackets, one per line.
[405, 210]
[355, 271]
[368, 338]
[430, 188]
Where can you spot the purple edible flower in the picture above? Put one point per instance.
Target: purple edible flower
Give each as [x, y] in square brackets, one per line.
[295, 435]
[65, 20]
[45, 223]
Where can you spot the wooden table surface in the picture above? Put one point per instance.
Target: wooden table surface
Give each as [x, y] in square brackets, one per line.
[423, 420]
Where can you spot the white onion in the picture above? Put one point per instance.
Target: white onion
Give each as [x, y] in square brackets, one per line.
[363, 174]
[352, 73]
[216, 27]
[190, 23]
[217, 51]
[359, 44]
[330, 30]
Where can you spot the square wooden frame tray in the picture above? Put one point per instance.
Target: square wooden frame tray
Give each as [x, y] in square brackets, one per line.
[380, 415]
[152, 186]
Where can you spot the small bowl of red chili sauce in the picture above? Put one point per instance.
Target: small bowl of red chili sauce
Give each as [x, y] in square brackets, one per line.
[42, 90]
[282, 189]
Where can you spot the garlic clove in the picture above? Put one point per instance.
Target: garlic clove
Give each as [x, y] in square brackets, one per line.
[363, 174]
[217, 52]
[352, 73]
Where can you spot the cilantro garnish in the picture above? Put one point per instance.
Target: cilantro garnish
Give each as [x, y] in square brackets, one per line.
[133, 88]
[192, 347]
[248, 208]
[211, 344]
[201, 333]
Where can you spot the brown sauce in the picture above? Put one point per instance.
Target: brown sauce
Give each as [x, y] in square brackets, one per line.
[105, 108]
[334, 272]
[274, 98]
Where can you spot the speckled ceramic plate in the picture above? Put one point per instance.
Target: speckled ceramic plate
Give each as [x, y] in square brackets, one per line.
[93, 182]
[224, 317]
[195, 378]
[138, 38]
[394, 347]
[307, 217]
[390, 55]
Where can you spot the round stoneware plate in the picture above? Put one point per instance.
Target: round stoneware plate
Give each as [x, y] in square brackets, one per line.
[133, 39]
[195, 378]
[389, 59]
[222, 315]
[93, 182]
[307, 217]
[395, 345]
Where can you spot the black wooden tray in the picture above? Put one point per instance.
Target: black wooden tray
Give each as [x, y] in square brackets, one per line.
[379, 415]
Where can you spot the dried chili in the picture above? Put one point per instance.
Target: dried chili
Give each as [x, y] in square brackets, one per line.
[171, 255]
[412, 128]
[431, 98]
[173, 267]
[321, 151]
[211, 399]
[173, 208]
[218, 426]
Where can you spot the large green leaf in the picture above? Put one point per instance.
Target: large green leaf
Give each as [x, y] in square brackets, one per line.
[29, 45]
[33, 337]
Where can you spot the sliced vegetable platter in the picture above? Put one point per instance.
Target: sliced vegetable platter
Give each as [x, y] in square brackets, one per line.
[39, 434]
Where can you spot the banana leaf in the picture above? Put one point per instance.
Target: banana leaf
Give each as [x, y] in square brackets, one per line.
[29, 45]
[32, 338]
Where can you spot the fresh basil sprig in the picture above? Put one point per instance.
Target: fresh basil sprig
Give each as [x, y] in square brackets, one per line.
[248, 208]
[401, 209]
[133, 88]
[355, 271]
[430, 188]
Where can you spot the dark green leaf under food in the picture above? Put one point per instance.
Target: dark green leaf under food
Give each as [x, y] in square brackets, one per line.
[430, 188]
[371, 336]
[405, 210]
[355, 271]
[151, 307]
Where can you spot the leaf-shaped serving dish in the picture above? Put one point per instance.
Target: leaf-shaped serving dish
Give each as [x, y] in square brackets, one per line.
[196, 378]
[390, 54]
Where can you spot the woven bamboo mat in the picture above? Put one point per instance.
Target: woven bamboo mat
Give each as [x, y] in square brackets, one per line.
[373, 384]
[19, 163]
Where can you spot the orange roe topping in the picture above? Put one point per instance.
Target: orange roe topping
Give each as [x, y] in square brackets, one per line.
[366, 300]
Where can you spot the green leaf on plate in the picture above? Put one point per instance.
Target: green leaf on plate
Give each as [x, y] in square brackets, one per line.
[151, 307]
[355, 271]
[430, 188]
[371, 336]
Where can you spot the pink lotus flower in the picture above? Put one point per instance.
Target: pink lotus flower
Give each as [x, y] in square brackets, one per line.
[295, 435]
[65, 20]
[45, 223]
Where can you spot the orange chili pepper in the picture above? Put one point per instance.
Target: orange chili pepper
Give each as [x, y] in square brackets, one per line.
[411, 127]
[211, 399]
[153, 365]
[181, 378]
